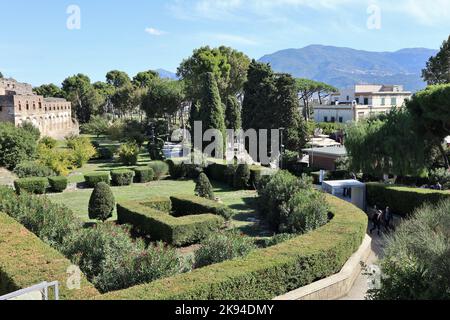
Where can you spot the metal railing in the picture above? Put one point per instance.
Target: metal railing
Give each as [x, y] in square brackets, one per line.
[43, 288]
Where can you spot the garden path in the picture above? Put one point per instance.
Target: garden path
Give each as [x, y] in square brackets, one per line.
[7, 177]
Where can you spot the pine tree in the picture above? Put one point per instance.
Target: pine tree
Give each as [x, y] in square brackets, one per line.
[203, 187]
[233, 119]
[438, 67]
[102, 203]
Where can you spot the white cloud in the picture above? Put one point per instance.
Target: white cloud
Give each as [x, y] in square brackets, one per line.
[425, 12]
[155, 32]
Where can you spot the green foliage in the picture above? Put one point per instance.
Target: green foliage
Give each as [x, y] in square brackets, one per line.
[223, 246]
[92, 179]
[105, 153]
[145, 79]
[49, 142]
[241, 180]
[163, 98]
[34, 131]
[176, 170]
[143, 175]
[81, 150]
[29, 169]
[330, 128]
[52, 264]
[307, 88]
[16, 145]
[160, 168]
[49, 91]
[101, 203]
[60, 161]
[160, 225]
[203, 188]
[156, 149]
[279, 238]
[58, 184]
[195, 205]
[233, 118]
[97, 126]
[416, 261]
[129, 154]
[122, 177]
[436, 71]
[37, 185]
[442, 176]
[390, 145]
[266, 273]
[402, 201]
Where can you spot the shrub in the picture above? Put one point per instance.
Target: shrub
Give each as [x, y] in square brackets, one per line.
[122, 177]
[49, 142]
[192, 171]
[216, 172]
[92, 179]
[143, 175]
[229, 174]
[279, 238]
[43, 263]
[203, 188]
[34, 131]
[32, 185]
[194, 205]
[58, 184]
[402, 201]
[82, 150]
[160, 168]
[416, 261]
[162, 226]
[275, 195]
[176, 170]
[105, 153]
[16, 145]
[242, 177]
[162, 204]
[220, 247]
[30, 169]
[266, 273]
[156, 150]
[441, 175]
[307, 211]
[97, 126]
[101, 203]
[60, 161]
[128, 154]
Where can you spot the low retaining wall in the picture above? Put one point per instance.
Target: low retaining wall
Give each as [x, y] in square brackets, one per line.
[338, 285]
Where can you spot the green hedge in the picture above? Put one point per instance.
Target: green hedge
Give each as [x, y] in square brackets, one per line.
[58, 184]
[266, 273]
[162, 204]
[25, 261]
[188, 205]
[143, 175]
[31, 185]
[225, 173]
[122, 177]
[162, 226]
[402, 200]
[92, 179]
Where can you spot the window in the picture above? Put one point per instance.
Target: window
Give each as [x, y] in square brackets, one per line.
[366, 101]
[325, 119]
[394, 101]
[341, 119]
[348, 98]
[357, 100]
[333, 119]
[40, 105]
[383, 101]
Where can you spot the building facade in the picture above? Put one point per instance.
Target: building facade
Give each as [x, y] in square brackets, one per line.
[361, 102]
[19, 104]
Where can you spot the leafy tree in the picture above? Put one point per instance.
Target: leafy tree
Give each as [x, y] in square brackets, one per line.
[123, 99]
[85, 100]
[307, 89]
[16, 145]
[98, 126]
[145, 79]
[431, 111]
[239, 64]
[233, 118]
[118, 79]
[106, 91]
[386, 145]
[1, 75]
[34, 131]
[101, 203]
[163, 99]
[203, 187]
[437, 70]
[49, 90]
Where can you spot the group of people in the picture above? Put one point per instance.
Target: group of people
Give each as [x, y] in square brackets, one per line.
[381, 219]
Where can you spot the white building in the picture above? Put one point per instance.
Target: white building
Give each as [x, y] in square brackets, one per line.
[361, 102]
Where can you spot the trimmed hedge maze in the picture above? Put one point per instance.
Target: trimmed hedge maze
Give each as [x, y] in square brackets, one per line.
[266, 273]
[154, 219]
[402, 200]
[25, 261]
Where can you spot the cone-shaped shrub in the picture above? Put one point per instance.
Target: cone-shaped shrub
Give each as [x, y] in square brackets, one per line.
[204, 188]
[102, 202]
[242, 177]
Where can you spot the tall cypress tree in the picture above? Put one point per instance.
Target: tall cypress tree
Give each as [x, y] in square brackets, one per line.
[233, 119]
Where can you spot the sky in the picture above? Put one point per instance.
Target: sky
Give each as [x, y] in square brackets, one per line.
[48, 40]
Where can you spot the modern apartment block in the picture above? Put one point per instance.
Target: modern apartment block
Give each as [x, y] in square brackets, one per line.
[361, 102]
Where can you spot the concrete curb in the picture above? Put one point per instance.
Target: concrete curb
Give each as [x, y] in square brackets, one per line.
[335, 286]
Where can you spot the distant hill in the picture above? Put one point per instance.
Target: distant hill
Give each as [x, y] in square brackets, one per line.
[167, 74]
[344, 67]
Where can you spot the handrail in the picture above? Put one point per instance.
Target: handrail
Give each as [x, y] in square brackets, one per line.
[42, 287]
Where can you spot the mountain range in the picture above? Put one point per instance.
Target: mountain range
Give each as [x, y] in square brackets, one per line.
[344, 67]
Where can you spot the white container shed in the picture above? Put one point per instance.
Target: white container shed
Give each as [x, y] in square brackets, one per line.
[358, 191]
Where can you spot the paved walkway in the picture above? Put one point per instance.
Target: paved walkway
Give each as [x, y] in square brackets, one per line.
[6, 177]
[361, 286]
